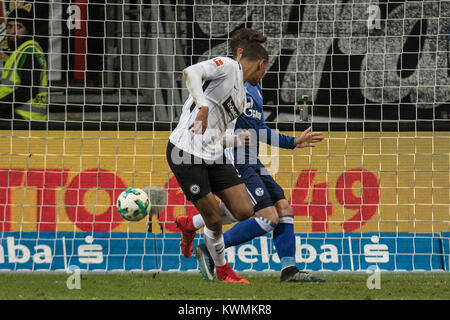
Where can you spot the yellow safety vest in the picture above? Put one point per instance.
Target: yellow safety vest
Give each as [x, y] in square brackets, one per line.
[35, 108]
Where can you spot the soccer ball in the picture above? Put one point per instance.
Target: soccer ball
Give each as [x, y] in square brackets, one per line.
[133, 204]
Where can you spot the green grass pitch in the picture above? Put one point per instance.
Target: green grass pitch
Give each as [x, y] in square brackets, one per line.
[187, 286]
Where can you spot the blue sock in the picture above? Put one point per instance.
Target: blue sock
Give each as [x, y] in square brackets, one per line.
[247, 230]
[284, 241]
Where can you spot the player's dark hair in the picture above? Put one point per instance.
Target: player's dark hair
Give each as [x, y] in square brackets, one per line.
[244, 35]
[254, 51]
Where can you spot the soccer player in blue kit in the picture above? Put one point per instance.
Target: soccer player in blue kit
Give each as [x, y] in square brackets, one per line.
[272, 210]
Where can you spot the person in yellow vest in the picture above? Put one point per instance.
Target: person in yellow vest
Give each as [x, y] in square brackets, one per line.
[24, 84]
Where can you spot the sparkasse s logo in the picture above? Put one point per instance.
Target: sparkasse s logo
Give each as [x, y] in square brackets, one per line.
[21, 251]
[376, 253]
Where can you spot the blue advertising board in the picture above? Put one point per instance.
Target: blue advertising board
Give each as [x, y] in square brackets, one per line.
[116, 251]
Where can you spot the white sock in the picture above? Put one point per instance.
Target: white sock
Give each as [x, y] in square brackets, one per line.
[198, 221]
[227, 217]
[216, 246]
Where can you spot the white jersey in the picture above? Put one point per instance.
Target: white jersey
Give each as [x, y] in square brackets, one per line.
[218, 84]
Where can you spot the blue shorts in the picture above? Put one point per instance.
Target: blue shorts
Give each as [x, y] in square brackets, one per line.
[264, 191]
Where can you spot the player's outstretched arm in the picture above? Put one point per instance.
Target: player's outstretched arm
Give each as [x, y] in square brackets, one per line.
[308, 138]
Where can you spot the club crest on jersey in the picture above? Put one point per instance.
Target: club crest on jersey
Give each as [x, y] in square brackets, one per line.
[195, 189]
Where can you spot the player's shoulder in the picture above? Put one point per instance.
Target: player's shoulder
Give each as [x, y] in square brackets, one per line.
[224, 61]
[223, 65]
[220, 67]
[228, 60]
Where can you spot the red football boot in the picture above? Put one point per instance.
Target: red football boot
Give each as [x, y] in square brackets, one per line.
[226, 274]
[184, 223]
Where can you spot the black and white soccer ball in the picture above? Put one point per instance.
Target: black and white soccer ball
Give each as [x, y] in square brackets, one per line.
[133, 204]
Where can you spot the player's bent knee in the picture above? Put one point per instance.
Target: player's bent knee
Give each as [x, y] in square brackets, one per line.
[266, 210]
[245, 212]
[274, 217]
[269, 213]
[284, 208]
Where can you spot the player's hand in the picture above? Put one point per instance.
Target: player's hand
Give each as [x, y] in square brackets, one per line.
[308, 138]
[244, 138]
[201, 121]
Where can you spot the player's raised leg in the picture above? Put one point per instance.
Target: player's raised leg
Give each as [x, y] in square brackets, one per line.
[236, 199]
[213, 236]
[198, 183]
[189, 226]
[210, 212]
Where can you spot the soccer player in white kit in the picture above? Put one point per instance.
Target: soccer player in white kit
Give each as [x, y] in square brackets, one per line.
[195, 148]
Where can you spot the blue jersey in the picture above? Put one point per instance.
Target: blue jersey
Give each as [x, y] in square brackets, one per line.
[252, 119]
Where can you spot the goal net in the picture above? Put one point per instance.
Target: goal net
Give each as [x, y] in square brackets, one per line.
[373, 76]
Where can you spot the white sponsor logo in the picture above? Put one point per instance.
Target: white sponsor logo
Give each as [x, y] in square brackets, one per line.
[376, 252]
[20, 253]
[250, 112]
[305, 252]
